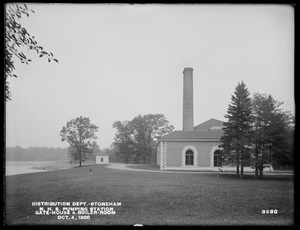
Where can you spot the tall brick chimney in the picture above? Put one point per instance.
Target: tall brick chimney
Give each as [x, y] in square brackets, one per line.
[188, 110]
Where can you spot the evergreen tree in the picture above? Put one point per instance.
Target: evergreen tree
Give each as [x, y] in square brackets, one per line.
[236, 140]
[281, 139]
[273, 133]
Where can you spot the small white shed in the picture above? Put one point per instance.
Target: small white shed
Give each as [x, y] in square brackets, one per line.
[102, 158]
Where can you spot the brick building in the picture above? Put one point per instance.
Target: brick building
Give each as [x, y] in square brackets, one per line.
[193, 147]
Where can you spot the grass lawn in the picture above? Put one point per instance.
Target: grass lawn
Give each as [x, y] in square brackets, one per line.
[152, 198]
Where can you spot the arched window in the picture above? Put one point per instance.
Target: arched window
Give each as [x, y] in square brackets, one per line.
[218, 158]
[189, 157]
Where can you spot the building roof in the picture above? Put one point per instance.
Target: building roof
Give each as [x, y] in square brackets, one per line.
[194, 135]
[209, 124]
[101, 153]
[210, 130]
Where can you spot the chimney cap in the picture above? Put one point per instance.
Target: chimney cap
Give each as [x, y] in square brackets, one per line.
[188, 69]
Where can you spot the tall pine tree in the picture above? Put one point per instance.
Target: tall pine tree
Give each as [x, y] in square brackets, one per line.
[236, 140]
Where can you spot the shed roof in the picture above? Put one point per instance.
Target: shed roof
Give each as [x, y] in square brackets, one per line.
[209, 124]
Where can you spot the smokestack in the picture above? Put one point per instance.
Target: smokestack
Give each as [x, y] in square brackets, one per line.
[188, 110]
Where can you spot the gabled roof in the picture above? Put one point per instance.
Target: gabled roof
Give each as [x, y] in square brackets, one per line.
[209, 124]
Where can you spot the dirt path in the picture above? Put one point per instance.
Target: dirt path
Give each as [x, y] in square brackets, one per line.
[121, 166]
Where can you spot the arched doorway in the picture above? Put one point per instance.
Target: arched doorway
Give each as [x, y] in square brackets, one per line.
[189, 157]
[218, 158]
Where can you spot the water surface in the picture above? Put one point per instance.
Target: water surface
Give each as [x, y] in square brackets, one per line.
[23, 167]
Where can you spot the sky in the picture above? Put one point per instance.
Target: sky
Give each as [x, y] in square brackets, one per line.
[117, 61]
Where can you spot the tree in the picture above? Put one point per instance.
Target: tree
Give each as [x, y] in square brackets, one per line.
[79, 133]
[236, 140]
[17, 39]
[112, 151]
[141, 138]
[146, 130]
[136, 139]
[124, 140]
[281, 134]
[272, 132]
[95, 147]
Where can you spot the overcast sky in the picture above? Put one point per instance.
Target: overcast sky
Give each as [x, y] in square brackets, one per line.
[118, 61]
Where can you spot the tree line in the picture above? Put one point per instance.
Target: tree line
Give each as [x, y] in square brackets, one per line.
[36, 154]
[258, 132]
[135, 141]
